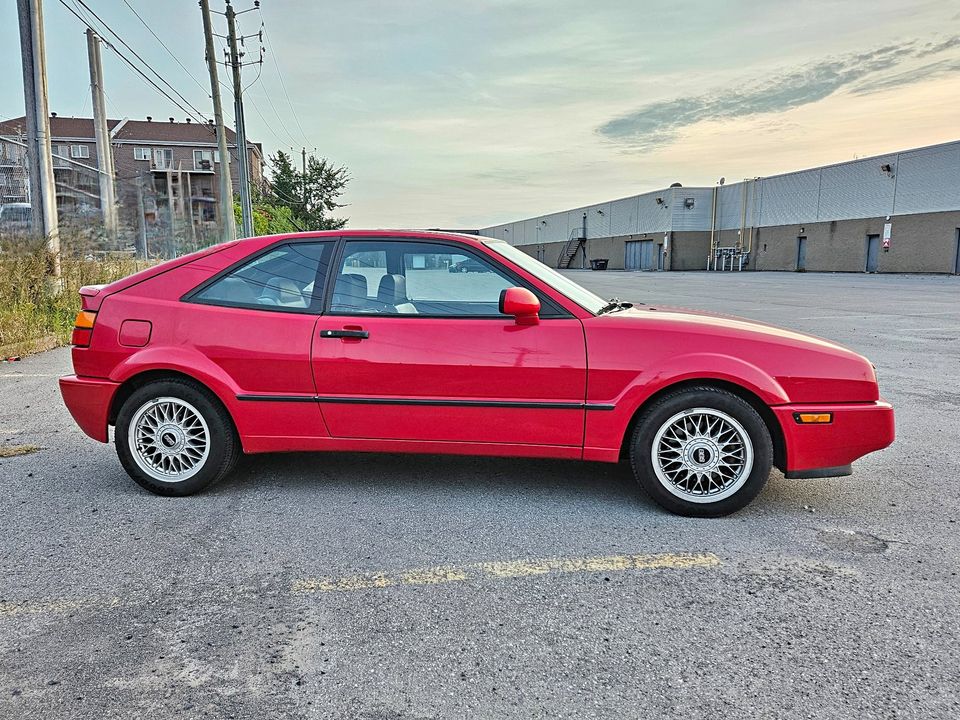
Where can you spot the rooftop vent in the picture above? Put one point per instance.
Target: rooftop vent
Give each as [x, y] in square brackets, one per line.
[149, 119]
[188, 121]
[676, 185]
[172, 120]
[53, 114]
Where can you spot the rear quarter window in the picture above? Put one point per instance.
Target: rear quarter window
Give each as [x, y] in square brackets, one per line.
[288, 277]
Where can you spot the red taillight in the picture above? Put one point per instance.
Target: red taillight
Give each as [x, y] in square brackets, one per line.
[83, 328]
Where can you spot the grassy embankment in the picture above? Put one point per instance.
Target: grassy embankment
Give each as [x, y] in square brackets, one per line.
[31, 317]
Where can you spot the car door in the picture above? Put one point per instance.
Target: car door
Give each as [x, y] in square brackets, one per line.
[412, 348]
[255, 320]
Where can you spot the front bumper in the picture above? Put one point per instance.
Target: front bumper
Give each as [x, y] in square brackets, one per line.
[88, 400]
[827, 450]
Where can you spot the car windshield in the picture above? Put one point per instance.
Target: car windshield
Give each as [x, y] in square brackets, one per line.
[580, 295]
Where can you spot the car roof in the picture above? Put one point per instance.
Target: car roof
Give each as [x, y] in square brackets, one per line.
[412, 235]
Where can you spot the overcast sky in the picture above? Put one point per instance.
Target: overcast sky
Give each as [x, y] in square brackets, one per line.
[464, 114]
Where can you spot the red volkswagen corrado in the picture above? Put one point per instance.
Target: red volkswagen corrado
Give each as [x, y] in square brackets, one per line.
[365, 341]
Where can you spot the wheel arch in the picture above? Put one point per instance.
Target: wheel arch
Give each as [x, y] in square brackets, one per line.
[145, 377]
[745, 394]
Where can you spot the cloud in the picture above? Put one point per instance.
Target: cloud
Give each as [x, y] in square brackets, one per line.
[907, 77]
[657, 124]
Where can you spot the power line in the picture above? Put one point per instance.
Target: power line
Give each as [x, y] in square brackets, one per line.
[163, 45]
[273, 107]
[279, 120]
[254, 81]
[195, 114]
[283, 84]
[265, 123]
[137, 55]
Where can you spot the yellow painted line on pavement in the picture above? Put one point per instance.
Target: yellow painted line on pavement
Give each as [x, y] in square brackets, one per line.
[501, 570]
[508, 569]
[9, 451]
[10, 609]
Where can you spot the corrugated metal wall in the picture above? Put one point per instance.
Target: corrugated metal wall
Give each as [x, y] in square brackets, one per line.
[928, 180]
[623, 216]
[917, 181]
[697, 217]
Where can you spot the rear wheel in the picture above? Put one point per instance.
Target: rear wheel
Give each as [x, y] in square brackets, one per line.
[174, 438]
[702, 452]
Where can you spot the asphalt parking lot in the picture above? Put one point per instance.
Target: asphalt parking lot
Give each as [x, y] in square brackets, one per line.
[390, 587]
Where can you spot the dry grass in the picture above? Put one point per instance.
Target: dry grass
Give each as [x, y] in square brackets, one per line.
[29, 311]
[9, 451]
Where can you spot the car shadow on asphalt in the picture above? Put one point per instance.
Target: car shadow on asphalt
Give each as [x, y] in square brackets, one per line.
[470, 479]
[441, 474]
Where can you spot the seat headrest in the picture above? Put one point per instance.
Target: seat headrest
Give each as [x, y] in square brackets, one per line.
[392, 289]
[350, 290]
[284, 291]
[233, 289]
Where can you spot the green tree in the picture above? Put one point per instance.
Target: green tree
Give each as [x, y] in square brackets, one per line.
[268, 219]
[312, 197]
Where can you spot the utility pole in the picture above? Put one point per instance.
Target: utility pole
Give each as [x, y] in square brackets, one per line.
[39, 154]
[304, 165]
[141, 222]
[246, 207]
[108, 205]
[228, 223]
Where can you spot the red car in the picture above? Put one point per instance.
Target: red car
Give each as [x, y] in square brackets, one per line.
[364, 341]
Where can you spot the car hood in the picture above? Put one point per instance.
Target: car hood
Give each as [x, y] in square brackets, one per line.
[716, 320]
[802, 368]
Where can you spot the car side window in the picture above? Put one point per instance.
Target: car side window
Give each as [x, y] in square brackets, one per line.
[417, 278]
[287, 278]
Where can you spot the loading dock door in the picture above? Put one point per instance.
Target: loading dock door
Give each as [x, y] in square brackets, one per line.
[801, 254]
[640, 255]
[647, 255]
[873, 253]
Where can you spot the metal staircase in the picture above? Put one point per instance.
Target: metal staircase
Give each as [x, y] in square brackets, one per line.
[571, 249]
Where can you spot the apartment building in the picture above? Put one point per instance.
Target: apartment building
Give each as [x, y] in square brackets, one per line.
[173, 166]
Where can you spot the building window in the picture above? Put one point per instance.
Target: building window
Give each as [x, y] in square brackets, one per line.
[216, 156]
[61, 153]
[162, 158]
[140, 153]
[79, 151]
[203, 160]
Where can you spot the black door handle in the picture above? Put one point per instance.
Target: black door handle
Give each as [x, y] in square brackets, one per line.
[359, 334]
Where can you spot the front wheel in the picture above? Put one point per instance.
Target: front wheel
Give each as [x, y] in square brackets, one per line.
[701, 452]
[174, 438]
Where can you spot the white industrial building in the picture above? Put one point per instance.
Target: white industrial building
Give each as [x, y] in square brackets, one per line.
[898, 212]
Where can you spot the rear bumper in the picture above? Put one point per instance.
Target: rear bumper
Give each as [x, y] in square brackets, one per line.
[828, 450]
[88, 400]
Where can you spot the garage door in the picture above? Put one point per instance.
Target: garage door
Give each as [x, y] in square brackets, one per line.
[640, 255]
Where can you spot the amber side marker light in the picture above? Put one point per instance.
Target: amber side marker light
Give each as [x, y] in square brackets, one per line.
[83, 328]
[813, 418]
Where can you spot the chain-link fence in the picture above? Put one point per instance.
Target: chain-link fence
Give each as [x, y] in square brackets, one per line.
[163, 210]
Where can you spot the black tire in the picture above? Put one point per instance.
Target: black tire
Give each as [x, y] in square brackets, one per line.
[715, 399]
[224, 445]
